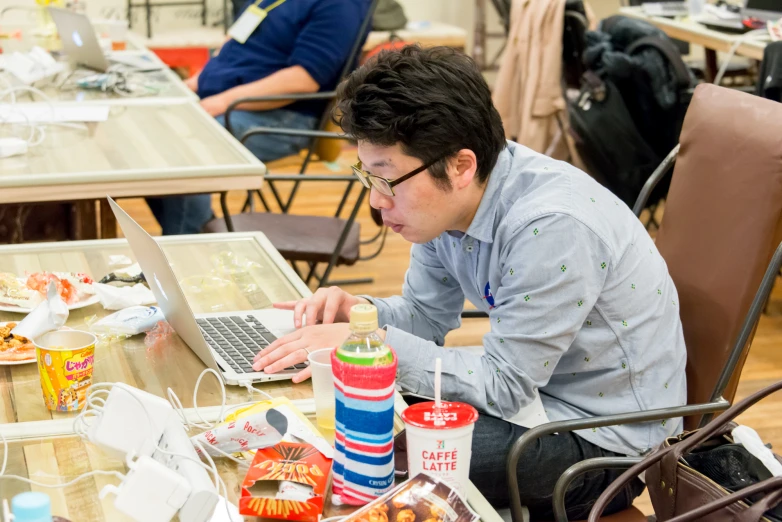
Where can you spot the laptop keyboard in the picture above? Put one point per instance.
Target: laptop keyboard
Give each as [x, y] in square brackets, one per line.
[238, 340]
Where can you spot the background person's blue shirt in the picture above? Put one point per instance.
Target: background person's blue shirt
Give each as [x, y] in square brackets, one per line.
[318, 35]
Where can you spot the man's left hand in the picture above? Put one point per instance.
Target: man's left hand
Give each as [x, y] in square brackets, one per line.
[215, 105]
[295, 347]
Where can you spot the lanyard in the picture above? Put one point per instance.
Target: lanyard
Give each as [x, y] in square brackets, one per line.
[271, 7]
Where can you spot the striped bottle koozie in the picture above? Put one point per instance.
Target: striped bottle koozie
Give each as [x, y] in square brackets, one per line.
[363, 466]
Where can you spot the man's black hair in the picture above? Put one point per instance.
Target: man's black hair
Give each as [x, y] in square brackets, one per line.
[432, 101]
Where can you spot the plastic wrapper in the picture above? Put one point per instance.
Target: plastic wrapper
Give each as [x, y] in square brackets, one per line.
[50, 315]
[261, 426]
[129, 275]
[130, 321]
[420, 499]
[118, 298]
[158, 336]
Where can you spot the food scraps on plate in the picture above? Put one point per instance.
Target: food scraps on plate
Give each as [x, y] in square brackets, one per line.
[14, 348]
[28, 291]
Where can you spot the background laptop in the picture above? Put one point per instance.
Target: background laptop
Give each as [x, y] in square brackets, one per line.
[81, 45]
[225, 342]
[723, 20]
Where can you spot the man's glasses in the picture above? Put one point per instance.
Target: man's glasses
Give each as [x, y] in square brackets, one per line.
[383, 185]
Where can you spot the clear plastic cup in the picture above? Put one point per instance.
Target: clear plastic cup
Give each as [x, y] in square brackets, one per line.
[323, 388]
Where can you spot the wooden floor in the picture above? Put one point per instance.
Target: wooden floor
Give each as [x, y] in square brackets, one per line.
[763, 367]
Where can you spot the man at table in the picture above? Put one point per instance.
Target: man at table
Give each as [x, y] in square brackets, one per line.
[300, 46]
[582, 309]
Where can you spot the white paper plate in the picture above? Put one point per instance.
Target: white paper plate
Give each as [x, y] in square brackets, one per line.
[91, 300]
[15, 363]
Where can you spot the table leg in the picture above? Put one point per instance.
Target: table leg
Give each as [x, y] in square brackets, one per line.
[108, 222]
[711, 65]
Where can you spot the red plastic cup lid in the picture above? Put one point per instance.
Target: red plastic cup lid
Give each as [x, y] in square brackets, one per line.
[449, 416]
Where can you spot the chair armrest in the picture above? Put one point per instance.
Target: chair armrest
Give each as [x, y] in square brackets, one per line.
[579, 468]
[310, 177]
[294, 132]
[302, 96]
[567, 426]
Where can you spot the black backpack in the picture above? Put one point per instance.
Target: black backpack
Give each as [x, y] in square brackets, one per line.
[630, 109]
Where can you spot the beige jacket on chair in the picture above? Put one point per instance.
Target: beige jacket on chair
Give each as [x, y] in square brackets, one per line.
[528, 93]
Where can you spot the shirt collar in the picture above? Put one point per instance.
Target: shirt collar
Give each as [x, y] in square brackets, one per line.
[482, 226]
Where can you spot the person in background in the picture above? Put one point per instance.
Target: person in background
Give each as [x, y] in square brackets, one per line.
[301, 46]
[583, 313]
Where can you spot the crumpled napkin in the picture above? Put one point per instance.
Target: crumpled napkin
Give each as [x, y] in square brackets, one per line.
[49, 315]
[119, 297]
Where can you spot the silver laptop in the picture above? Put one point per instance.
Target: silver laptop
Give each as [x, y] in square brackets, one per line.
[82, 48]
[766, 10]
[225, 342]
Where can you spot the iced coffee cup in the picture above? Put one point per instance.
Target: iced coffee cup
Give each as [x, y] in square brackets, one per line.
[439, 441]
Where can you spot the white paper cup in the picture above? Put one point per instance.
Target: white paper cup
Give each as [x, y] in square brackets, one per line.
[323, 388]
[439, 441]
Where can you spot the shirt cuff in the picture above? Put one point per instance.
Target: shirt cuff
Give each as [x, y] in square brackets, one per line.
[410, 372]
[383, 311]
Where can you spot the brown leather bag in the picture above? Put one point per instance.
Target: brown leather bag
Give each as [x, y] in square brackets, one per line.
[679, 493]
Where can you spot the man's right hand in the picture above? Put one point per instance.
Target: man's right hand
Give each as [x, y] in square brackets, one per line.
[326, 306]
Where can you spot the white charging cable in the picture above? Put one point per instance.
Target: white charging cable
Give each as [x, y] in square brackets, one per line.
[756, 34]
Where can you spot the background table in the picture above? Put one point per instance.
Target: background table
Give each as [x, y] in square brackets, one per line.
[713, 41]
[49, 450]
[150, 146]
[141, 150]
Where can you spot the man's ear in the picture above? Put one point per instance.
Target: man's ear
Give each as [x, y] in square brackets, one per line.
[464, 168]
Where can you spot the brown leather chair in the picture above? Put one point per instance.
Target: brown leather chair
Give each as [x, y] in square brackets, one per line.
[720, 237]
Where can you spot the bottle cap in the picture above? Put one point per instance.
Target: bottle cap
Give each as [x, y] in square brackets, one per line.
[363, 318]
[31, 507]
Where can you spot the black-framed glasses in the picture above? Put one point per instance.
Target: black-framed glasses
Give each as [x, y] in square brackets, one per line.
[383, 185]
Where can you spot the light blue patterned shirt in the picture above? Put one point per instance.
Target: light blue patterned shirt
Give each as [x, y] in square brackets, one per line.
[582, 308]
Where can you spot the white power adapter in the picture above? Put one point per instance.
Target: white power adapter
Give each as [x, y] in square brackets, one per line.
[203, 498]
[132, 421]
[150, 492]
[12, 147]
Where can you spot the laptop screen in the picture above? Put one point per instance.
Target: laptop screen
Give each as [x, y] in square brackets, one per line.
[771, 7]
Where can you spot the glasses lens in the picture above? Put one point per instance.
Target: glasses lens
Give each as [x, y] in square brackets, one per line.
[381, 186]
[361, 176]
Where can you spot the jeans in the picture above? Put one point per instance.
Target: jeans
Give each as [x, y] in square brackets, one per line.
[539, 468]
[188, 214]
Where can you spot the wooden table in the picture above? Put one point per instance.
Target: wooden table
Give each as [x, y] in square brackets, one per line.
[50, 452]
[150, 146]
[141, 150]
[713, 41]
[167, 85]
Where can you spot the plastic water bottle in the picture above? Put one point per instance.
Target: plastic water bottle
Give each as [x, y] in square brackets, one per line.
[364, 374]
[364, 347]
[33, 507]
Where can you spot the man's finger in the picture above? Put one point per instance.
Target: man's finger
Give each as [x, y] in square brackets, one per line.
[298, 311]
[332, 305]
[296, 356]
[282, 341]
[287, 305]
[302, 375]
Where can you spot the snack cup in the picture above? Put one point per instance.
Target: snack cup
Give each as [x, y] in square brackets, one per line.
[439, 441]
[65, 360]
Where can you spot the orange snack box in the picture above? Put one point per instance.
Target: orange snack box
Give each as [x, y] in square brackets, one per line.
[65, 361]
[287, 481]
